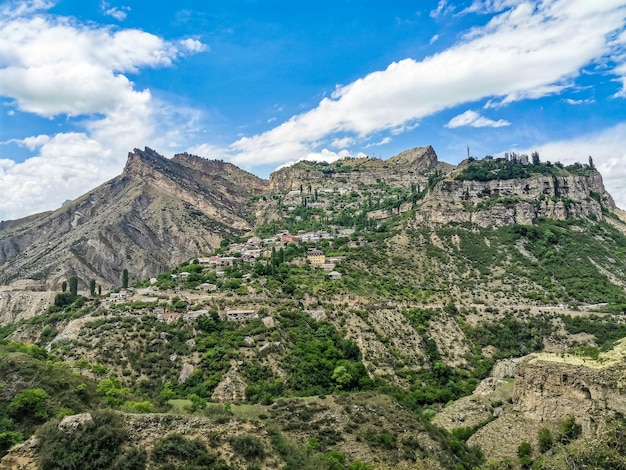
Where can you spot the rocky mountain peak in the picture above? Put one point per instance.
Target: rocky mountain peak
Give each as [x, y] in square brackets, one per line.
[419, 158]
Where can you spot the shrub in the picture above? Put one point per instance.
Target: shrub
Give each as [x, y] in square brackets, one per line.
[544, 437]
[249, 447]
[176, 452]
[31, 401]
[570, 430]
[94, 445]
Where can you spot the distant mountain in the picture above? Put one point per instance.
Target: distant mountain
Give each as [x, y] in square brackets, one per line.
[157, 213]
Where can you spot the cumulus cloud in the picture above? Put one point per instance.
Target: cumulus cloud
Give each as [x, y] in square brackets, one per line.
[56, 66]
[473, 119]
[608, 149]
[527, 51]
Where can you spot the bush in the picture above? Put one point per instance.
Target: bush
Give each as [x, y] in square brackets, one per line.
[94, 445]
[31, 401]
[249, 447]
[570, 430]
[176, 452]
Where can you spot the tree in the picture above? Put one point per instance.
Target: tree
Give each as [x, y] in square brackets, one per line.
[535, 158]
[99, 289]
[591, 162]
[29, 400]
[125, 279]
[74, 285]
[92, 287]
[64, 286]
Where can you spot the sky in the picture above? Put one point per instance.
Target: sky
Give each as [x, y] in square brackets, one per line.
[265, 83]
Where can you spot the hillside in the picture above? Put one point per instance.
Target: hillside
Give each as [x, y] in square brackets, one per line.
[312, 315]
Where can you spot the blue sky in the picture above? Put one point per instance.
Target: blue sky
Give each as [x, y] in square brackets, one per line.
[265, 83]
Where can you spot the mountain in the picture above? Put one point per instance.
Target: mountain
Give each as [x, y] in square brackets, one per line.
[157, 213]
[438, 273]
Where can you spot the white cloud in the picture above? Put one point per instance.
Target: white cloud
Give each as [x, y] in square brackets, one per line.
[119, 13]
[434, 39]
[606, 147]
[55, 66]
[442, 9]
[526, 52]
[17, 8]
[473, 119]
[577, 102]
[490, 6]
[193, 45]
[383, 141]
[342, 143]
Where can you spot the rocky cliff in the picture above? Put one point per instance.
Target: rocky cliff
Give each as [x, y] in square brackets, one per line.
[501, 202]
[549, 387]
[157, 213]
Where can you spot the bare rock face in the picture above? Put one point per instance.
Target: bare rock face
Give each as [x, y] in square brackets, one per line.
[505, 368]
[499, 203]
[185, 373]
[18, 302]
[232, 387]
[551, 390]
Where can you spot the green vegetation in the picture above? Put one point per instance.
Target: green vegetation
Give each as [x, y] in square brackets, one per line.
[95, 444]
[490, 169]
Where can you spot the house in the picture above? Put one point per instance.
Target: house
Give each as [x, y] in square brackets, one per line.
[229, 260]
[254, 241]
[117, 296]
[310, 237]
[183, 276]
[334, 276]
[168, 317]
[235, 315]
[326, 266]
[315, 257]
[195, 314]
[287, 238]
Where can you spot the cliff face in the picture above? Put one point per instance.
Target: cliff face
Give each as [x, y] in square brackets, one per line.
[156, 214]
[515, 201]
[548, 388]
[403, 170]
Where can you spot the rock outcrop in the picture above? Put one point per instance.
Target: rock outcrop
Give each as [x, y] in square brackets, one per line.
[498, 203]
[548, 388]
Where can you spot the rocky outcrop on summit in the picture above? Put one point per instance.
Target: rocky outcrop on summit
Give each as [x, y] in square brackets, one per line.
[502, 202]
[410, 167]
[156, 214]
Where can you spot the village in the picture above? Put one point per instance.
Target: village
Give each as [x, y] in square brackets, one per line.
[184, 294]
